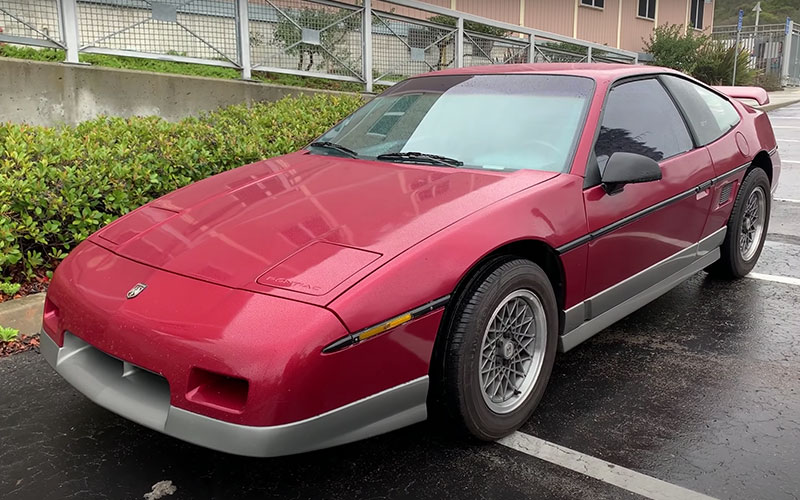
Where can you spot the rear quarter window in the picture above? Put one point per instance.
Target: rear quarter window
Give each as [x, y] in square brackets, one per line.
[710, 116]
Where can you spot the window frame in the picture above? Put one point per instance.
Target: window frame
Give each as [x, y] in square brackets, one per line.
[593, 4]
[582, 124]
[646, 9]
[591, 174]
[697, 14]
[685, 115]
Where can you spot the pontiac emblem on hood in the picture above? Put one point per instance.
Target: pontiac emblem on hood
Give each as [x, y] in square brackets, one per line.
[136, 290]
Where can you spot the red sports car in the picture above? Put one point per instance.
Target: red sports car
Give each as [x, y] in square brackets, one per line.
[430, 253]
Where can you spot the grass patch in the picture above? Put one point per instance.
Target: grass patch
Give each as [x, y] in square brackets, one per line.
[177, 68]
[8, 334]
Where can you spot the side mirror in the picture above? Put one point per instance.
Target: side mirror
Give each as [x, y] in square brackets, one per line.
[628, 168]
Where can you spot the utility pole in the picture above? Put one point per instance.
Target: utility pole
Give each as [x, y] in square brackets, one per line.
[757, 10]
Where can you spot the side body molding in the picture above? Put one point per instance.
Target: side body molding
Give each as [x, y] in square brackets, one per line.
[596, 313]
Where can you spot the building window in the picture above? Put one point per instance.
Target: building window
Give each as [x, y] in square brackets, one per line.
[593, 3]
[696, 15]
[647, 9]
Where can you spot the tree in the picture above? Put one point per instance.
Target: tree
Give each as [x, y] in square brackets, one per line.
[334, 26]
[485, 45]
[672, 48]
[726, 12]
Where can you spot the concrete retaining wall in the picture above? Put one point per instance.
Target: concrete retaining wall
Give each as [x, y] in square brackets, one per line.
[40, 93]
[23, 314]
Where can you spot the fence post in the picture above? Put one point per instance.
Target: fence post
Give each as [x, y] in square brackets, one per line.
[460, 43]
[243, 38]
[786, 57]
[366, 46]
[736, 58]
[589, 54]
[68, 13]
[532, 48]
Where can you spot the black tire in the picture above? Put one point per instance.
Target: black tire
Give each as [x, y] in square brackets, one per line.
[460, 392]
[732, 264]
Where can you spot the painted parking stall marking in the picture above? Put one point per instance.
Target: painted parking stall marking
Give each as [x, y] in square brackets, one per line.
[630, 480]
[775, 279]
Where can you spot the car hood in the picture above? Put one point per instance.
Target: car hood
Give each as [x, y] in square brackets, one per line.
[303, 225]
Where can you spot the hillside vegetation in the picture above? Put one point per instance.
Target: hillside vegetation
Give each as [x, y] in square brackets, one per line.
[772, 11]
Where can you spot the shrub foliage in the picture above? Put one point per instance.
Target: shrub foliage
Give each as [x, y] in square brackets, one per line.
[698, 55]
[59, 185]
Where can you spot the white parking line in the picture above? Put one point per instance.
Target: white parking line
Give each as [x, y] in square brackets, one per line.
[789, 161]
[627, 479]
[787, 200]
[775, 279]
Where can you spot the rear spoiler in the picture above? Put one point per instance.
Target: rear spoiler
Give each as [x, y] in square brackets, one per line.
[753, 93]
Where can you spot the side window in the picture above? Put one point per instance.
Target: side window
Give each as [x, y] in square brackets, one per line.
[640, 117]
[709, 115]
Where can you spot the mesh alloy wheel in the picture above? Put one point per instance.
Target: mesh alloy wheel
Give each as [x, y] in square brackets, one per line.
[512, 351]
[752, 226]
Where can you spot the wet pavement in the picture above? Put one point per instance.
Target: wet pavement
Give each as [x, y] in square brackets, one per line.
[701, 389]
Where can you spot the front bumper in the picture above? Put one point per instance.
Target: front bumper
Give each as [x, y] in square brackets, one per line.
[144, 397]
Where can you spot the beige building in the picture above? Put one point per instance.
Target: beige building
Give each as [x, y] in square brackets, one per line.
[616, 23]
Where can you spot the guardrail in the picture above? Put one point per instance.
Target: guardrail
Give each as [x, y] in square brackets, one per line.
[365, 41]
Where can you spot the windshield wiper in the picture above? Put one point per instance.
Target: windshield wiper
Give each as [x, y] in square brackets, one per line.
[417, 157]
[336, 147]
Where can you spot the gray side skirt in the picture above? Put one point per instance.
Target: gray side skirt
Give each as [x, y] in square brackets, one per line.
[596, 313]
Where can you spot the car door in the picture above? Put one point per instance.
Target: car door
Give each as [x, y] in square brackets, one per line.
[649, 223]
[713, 120]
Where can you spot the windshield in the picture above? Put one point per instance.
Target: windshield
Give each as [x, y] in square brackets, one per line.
[498, 122]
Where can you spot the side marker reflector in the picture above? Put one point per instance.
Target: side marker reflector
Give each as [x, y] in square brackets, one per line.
[367, 333]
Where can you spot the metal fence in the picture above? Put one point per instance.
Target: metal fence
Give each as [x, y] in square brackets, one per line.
[365, 41]
[774, 49]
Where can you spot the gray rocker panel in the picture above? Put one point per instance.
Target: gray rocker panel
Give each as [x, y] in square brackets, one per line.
[596, 313]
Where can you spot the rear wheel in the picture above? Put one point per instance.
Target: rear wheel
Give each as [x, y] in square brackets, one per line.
[500, 350]
[747, 228]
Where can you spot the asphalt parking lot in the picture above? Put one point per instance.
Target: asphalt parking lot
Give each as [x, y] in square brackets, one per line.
[697, 394]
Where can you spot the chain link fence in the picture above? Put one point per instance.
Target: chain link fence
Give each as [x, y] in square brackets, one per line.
[774, 49]
[31, 22]
[351, 40]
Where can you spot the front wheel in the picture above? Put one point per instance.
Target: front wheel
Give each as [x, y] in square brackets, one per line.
[501, 349]
[747, 228]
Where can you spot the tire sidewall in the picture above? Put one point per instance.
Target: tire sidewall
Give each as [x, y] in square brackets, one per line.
[754, 179]
[515, 275]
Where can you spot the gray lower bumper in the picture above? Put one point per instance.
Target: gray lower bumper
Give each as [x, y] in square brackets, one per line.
[143, 397]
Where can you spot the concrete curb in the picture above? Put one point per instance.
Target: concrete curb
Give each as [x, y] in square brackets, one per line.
[23, 314]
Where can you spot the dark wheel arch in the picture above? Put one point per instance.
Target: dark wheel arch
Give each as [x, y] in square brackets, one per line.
[763, 161]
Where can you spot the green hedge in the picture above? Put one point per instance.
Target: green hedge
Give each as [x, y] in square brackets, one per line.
[59, 185]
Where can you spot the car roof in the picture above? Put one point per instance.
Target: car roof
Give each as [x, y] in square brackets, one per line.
[597, 71]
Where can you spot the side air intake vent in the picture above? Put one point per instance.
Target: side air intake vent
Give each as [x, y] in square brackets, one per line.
[725, 193]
